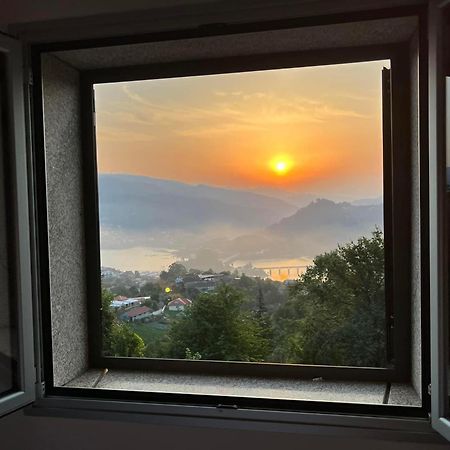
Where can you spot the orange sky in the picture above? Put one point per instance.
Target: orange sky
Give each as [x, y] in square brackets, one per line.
[229, 130]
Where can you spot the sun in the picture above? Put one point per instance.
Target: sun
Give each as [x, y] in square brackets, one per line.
[280, 166]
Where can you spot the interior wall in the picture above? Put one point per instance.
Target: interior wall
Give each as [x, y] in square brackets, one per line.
[63, 153]
[22, 432]
[16, 11]
[27, 11]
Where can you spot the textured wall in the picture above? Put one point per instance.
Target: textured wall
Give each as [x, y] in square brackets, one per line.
[416, 334]
[372, 32]
[65, 218]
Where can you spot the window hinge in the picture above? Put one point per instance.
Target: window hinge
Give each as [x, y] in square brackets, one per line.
[41, 388]
[429, 389]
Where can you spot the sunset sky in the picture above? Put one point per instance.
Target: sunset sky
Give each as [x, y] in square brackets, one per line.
[308, 130]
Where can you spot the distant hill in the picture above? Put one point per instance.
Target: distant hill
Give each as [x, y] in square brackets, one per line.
[193, 220]
[138, 203]
[323, 214]
[313, 229]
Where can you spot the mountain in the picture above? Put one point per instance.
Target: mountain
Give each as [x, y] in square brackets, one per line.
[195, 220]
[138, 203]
[313, 229]
[323, 214]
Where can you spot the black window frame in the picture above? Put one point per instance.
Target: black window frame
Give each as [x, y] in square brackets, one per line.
[397, 191]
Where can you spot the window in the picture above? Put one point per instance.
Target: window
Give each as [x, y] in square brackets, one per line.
[92, 222]
[17, 368]
[218, 192]
[222, 198]
[8, 333]
[64, 161]
[224, 203]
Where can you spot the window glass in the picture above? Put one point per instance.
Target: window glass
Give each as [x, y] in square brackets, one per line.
[241, 216]
[447, 135]
[8, 328]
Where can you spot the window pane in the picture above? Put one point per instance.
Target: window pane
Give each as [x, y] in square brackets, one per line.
[241, 216]
[447, 134]
[8, 328]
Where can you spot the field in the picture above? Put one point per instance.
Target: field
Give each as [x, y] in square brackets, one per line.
[149, 332]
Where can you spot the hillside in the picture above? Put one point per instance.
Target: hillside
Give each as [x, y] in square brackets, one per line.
[327, 215]
[143, 204]
[313, 229]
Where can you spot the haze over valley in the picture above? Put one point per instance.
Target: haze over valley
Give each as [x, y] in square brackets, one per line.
[148, 223]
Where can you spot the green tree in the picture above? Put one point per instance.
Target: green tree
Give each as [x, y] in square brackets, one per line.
[108, 319]
[217, 327]
[125, 342]
[335, 314]
[118, 338]
[152, 290]
[175, 270]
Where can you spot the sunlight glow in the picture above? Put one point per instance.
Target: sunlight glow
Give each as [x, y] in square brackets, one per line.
[280, 165]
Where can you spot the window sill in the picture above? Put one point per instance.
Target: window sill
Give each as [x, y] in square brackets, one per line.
[287, 389]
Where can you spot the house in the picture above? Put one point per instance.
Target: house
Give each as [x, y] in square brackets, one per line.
[140, 299]
[179, 304]
[136, 314]
[125, 303]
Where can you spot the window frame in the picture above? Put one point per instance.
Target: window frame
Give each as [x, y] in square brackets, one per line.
[397, 186]
[14, 153]
[439, 74]
[95, 399]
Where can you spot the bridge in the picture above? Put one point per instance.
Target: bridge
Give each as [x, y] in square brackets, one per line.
[295, 269]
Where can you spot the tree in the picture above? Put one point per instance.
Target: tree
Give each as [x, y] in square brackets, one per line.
[152, 290]
[335, 314]
[118, 338]
[273, 293]
[125, 342]
[262, 315]
[217, 327]
[175, 270]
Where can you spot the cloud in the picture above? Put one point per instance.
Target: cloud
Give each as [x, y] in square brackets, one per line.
[107, 134]
[219, 112]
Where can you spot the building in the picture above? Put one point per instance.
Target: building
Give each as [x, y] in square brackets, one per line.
[137, 314]
[125, 303]
[179, 304]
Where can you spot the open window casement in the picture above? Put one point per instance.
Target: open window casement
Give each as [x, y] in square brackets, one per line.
[439, 215]
[17, 369]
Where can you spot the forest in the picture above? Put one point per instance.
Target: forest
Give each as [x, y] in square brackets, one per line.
[333, 314]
